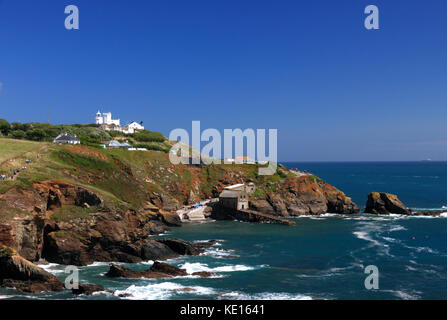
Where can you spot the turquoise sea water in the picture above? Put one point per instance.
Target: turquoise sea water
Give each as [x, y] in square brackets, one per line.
[320, 258]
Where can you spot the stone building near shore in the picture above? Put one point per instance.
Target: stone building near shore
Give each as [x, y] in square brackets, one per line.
[236, 196]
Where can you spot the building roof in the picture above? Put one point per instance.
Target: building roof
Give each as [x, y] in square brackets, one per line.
[229, 194]
[66, 137]
[235, 186]
[114, 143]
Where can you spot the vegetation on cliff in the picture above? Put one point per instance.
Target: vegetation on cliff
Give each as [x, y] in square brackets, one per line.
[76, 204]
[89, 134]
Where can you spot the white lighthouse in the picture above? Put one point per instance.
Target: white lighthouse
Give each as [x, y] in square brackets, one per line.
[105, 122]
[99, 119]
[106, 118]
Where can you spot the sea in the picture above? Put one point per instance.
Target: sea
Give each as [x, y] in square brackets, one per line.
[322, 257]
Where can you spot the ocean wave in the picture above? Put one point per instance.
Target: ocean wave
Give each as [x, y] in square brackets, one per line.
[364, 235]
[391, 239]
[330, 215]
[160, 291]
[404, 295]
[367, 231]
[264, 296]
[219, 253]
[53, 268]
[102, 264]
[197, 267]
[397, 228]
[209, 240]
[331, 272]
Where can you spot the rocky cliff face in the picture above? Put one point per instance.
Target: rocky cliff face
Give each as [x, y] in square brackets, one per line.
[304, 196]
[76, 205]
[90, 230]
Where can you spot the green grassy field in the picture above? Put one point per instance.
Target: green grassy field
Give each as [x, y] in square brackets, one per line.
[10, 148]
[121, 177]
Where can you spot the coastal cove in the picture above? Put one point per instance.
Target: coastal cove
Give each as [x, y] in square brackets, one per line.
[322, 257]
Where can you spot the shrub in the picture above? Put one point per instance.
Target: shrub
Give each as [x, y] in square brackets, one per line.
[5, 252]
[36, 135]
[149, 136]
[18, 134]
[5, 127]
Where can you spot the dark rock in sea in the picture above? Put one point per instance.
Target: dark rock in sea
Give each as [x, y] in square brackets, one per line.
[182, 247]
[116, 271]
[165, 268]
[157, 270]
[21, 274]
[385, 203]
[88, 289]
[155, 250]
[205, 244]
[204, 274]
[428, 213]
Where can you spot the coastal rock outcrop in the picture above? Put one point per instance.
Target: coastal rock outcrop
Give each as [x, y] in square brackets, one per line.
[88, 289]
[19, 273]
[182, 247]
[385, 203]
[306, 195]
[157, 270]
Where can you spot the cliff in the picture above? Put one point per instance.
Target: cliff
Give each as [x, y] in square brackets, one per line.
[78, 204]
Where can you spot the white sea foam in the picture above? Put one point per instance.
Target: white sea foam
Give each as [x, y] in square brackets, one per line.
[403, 295]
[330, 215]
[159, 291]
[52, 268]
[218, 253]
[102, 264]
[397, 228]
[391, 239]
[197, 267]
[364, 235]
[410, 268]
[264, 296]
[205, 241]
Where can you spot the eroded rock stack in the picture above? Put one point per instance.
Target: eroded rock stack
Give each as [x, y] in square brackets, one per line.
[385, 203]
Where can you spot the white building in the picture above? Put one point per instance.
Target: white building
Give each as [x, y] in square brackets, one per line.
[106, 118]
[134, 126]
[105, 122]
[67, 138]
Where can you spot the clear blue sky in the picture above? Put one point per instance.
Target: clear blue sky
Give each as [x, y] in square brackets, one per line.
[334, 90]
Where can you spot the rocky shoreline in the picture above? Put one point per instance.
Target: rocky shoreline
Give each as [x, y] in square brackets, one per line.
[103, 208]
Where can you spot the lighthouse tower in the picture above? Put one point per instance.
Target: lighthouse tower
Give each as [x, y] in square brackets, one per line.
[99, 118]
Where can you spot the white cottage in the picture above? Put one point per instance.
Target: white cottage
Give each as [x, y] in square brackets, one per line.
[67, 138]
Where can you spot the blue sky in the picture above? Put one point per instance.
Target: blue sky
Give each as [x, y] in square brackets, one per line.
[334, 90]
